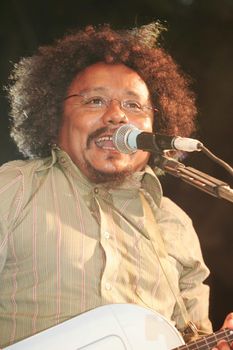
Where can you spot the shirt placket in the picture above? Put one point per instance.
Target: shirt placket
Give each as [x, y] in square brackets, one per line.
[102, 200]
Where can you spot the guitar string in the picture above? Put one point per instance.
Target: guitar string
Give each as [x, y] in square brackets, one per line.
[210, 340]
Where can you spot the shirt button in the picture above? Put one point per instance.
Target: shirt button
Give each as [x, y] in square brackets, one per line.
[96, 190]
[108, 286]
[62, 160]
[106, 235]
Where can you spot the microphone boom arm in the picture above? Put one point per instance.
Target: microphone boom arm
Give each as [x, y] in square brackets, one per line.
[196, 178]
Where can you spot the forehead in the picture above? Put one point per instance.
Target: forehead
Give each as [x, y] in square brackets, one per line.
[109, 78]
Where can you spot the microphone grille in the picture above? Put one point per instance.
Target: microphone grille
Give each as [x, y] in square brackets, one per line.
[120, 138]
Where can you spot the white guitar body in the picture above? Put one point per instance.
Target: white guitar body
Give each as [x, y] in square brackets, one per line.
[109, 327]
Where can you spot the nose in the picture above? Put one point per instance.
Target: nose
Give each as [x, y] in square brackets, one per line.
[114, 115]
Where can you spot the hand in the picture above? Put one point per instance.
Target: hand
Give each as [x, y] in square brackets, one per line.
[223, 344]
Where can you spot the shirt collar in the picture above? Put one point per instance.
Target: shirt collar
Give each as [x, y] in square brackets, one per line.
[152, 185]
[48, 162]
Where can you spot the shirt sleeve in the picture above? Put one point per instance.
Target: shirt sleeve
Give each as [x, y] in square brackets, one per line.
[11, 191]
[3, 243]
[182, 244]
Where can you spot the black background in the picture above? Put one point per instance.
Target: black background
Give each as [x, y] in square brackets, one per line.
[200, 38]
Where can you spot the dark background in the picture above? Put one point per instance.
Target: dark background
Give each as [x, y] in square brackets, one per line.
[200, 38]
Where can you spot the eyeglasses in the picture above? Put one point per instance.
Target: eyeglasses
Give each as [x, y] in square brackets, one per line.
[101, 103]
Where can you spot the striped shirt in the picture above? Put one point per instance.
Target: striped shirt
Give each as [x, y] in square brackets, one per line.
[68, 245]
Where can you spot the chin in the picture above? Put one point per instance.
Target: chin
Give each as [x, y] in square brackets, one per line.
[108, 174]
[111, 164]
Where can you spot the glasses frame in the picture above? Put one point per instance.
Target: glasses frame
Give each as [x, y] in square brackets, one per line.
[114, 99]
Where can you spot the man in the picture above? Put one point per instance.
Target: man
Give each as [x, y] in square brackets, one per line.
[80, 221]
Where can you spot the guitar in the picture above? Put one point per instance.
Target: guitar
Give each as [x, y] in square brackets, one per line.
[116, 327]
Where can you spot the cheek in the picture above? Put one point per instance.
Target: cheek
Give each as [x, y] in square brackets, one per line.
[72, 134]
[143, 123]
[149, 124]
[76, 125]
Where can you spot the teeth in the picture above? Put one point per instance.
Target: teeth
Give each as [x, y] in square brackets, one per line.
[104, 138]
[102, 142]
[108, 147]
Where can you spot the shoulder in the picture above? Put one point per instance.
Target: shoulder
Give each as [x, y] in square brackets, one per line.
[11, 173]
[17, 169]
[21, 172]
[16, 182]
[172, 212]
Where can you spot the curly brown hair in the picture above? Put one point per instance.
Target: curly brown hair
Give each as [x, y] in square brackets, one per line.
[38, 84]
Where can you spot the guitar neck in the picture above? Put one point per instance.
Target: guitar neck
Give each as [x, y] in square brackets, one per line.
[209, 341]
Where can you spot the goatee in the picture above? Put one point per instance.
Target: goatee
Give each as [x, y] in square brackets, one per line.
[110, 180]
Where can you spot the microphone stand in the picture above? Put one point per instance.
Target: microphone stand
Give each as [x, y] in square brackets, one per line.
[196, 178]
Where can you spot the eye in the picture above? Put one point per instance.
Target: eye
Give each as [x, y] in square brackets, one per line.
[95, 101]
[132, 105]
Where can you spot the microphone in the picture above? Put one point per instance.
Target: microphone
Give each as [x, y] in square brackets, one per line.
[128, 139]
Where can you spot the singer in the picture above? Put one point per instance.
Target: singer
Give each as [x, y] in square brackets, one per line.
[79, 220]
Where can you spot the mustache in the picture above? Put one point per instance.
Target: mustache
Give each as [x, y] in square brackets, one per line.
[98, 133]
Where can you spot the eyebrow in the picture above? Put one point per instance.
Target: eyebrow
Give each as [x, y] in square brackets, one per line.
[95, 89]
[104, 90]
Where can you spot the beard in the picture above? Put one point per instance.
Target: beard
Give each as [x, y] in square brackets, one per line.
[110, 180]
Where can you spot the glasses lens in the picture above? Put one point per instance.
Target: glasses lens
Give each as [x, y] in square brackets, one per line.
[131, 106]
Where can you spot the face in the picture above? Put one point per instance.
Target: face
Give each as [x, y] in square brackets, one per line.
[85, 131]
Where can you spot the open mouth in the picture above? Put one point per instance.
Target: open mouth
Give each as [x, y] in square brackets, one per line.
[105, 142]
